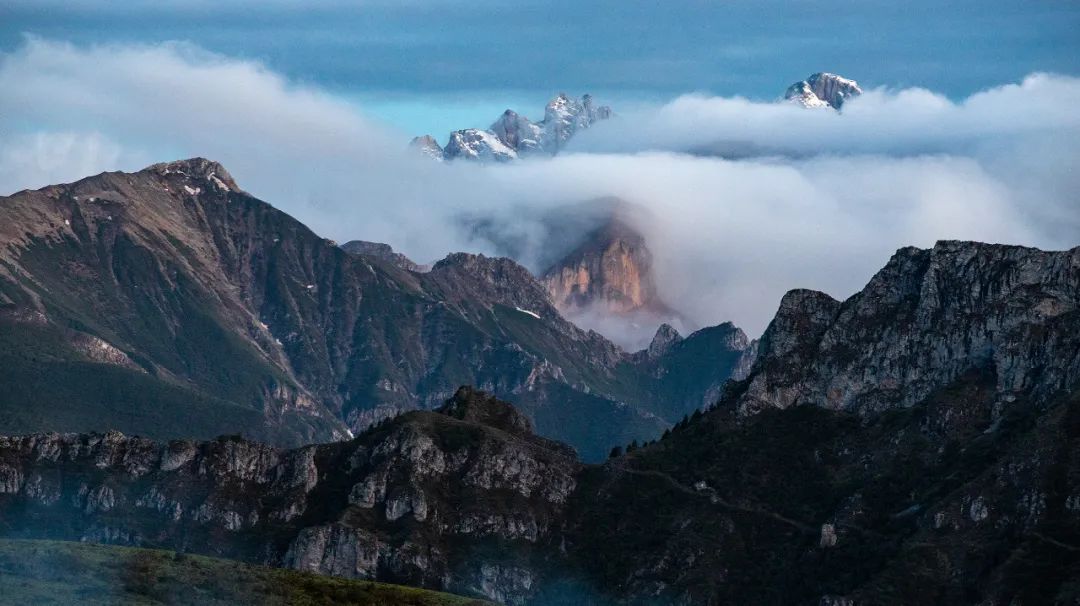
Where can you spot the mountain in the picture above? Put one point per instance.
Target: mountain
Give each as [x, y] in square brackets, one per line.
[170, 303]
[606, 280]
[823, 90]
[955, 480]
[611, 268]
[596, 264]
[512, 135]
[916, 443]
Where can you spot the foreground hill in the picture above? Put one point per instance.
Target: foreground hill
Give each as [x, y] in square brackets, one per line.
[58, 572]
[169, 303]
[918, 443]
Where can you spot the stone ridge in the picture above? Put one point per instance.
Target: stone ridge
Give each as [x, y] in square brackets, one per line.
[926, 318]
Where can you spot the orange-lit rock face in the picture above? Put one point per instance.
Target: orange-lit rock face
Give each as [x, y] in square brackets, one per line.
[611, 268]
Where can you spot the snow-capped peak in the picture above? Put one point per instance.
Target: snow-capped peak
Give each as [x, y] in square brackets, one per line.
[476, 144]
[823, 89]
[513, 135]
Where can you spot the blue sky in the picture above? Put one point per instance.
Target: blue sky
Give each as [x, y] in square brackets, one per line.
[442, 64]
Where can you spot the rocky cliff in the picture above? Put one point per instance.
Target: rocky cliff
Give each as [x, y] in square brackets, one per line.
[604, 277]
[461, 498]
[919, 324]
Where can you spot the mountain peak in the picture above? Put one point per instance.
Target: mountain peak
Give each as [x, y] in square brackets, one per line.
[475, 406]
[513, 135]
[197, 168]
[823, 89]
[665, 337]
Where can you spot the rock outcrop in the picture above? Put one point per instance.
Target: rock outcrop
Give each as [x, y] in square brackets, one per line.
[605, 277]
[428, 146]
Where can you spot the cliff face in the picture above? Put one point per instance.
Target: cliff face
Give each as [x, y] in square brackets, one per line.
[612, 268]
[433, 499]
[170, 303]
[606, 279]
[921, 322]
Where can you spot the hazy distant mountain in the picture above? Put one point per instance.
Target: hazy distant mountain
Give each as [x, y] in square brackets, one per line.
[512, 135]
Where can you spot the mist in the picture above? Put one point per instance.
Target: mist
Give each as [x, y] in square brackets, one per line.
[747, 199]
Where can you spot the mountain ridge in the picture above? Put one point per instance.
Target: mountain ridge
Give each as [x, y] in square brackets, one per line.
[172, 279]
[798, 501]
[512, 135]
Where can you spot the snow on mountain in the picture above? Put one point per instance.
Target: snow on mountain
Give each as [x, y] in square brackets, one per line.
[517, 132]
[823, 90]
[512, 135]
[476, 144]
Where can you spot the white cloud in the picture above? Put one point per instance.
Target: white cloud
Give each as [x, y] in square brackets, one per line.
[804, 199]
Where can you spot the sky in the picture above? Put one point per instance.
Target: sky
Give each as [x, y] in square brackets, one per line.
[968, 128]
[437, 65]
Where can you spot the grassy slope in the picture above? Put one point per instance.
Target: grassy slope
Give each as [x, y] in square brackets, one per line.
[57, 572]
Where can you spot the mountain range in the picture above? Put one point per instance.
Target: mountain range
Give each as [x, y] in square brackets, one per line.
[189, 373]
[512, 135]
[170, 303]
[915, 443]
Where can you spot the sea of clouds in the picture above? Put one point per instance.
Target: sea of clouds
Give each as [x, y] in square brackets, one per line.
[746, 199]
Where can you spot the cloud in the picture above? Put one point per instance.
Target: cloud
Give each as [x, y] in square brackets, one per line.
[747, 199]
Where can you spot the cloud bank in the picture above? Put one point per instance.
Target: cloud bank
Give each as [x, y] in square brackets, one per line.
[748, 199]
